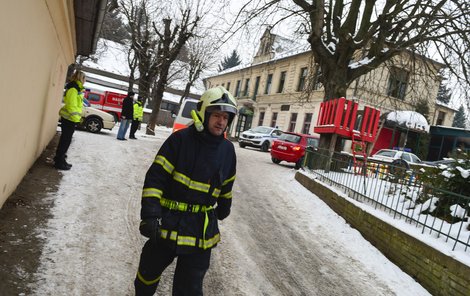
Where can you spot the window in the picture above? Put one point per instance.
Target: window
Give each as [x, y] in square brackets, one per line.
[397, 83]
[285, 107]
[247, 87]
[302, 79]
[274, 119]
[93, 97]
[269, 81]
[228, 86]
[312, 142]
[293, 120]
[237, 89]
[261, 118]
[317, 83]
[307, 122]
[282, 80]
[255, 93]
[441, 116]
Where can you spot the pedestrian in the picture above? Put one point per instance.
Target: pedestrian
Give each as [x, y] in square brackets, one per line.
[70, 115]
[137, 119]
[192, 172]
[127, 113]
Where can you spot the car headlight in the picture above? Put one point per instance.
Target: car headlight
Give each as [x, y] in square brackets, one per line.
[257, 137]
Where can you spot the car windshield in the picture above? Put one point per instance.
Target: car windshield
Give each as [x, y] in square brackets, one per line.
[290, 138]
[262, 129]
[86, 103]
[386, 153]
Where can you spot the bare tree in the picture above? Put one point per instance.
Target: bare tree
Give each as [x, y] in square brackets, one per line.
[201, 56]
[350, 38]
[143, 43]
[171, 41]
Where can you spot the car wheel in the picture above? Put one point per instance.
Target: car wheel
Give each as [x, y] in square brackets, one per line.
[93, 125]
[275, 160]
[265, 146]
[299, 163]
[242, 145]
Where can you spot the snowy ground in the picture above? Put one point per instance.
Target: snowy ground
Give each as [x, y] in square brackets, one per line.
[279, 240]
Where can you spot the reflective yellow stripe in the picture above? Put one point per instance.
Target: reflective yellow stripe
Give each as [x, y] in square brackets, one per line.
[229, 180]
[186, 241]
[146, 282]
[216, 192]
[167, 166]
[190, 240]
[152, 192]
[205, 244]
[199, 186]
[183, 207]
[227, 195]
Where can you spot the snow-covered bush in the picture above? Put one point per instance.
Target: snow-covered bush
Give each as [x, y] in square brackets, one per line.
[450, 183]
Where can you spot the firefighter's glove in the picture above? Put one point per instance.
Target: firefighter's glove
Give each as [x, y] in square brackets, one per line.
[151, 228]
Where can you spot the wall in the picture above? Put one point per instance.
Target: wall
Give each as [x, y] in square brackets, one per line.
[38, 45]
[436, 272]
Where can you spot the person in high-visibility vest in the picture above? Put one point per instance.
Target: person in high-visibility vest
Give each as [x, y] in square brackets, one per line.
[186, 190]
[137, 119]
[70, 116]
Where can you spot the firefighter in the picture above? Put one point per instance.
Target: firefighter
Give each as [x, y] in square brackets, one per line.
[137, 119]
[186, 190]
[70, 116]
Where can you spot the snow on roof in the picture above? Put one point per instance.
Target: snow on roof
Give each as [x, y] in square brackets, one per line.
[299, 49]
[410, 119]
[110, 56]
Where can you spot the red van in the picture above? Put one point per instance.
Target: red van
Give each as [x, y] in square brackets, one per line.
[107, 101]
[290, 147]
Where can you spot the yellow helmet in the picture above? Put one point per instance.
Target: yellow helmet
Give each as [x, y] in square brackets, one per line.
[217, 98]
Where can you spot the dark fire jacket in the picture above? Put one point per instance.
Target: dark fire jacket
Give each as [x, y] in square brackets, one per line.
[189, 186]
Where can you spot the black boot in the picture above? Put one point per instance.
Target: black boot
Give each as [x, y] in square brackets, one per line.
[61, 164]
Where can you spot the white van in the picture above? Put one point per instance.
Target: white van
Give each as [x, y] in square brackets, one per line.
[184, 119]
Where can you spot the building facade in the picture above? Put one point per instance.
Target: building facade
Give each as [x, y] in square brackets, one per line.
[271, 89]
[40, 40]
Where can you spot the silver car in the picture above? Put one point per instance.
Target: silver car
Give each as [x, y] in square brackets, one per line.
[260, 137]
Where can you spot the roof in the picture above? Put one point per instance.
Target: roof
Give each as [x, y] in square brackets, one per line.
[89, 15]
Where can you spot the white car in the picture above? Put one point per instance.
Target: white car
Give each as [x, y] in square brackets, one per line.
[93, 120]
[260, 137]
[396, 157]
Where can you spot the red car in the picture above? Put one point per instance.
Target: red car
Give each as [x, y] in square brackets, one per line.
[290, 147]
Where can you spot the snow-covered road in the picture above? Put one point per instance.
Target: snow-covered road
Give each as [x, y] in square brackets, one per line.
[279, 240]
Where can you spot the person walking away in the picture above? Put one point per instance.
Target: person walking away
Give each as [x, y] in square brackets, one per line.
[186, 190]
[70, 115]
[137, 119]
[127, 113]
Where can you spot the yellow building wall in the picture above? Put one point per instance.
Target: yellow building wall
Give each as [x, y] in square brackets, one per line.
[37, 47]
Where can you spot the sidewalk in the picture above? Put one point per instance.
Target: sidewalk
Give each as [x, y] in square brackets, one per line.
[26, 210]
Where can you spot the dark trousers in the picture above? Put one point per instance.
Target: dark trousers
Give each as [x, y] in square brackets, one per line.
[134, 127]
[189, 273]
[67, 127]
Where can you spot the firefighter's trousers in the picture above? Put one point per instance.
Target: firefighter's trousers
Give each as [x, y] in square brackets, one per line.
[189, 273]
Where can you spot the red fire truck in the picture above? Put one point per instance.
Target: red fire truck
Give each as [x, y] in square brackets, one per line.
[107, 101]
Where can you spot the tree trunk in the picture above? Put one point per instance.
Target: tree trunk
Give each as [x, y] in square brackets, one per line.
[157, 97]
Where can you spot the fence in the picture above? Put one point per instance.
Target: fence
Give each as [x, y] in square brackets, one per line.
[396, 189]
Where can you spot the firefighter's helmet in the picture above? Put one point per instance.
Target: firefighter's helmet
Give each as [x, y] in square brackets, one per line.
[217, 98]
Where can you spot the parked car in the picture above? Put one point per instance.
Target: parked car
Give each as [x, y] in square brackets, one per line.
[396, 157]
[93, 120]
[290, 147]
[259, 137]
